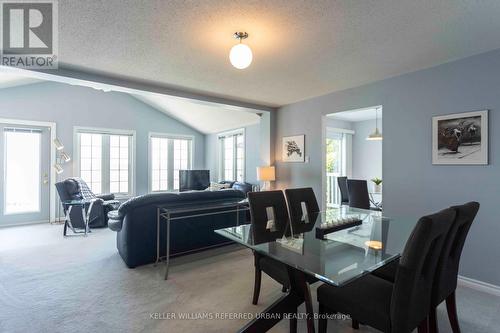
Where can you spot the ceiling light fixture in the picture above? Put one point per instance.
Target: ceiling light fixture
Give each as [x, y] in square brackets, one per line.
[240, 55]
[375, 136]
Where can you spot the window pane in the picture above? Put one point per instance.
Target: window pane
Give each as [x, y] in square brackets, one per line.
[96, 187]
[97, 140]
[233, 157]
[114, 175]
[86, 164]
[124, 187]
[114, 164]
[86, 139]
[114, 140]
[114, 152]
[118, 164]
[114, 187]
[181, 158]
[22, 172]
[86, 175]
[159, 164]
[91, 160]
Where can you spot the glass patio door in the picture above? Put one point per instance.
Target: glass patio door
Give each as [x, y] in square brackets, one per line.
[24, 170]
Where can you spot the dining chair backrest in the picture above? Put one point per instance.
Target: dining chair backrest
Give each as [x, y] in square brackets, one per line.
[358, 193]
[302, 207]
[344, 193]
[447, 271]
[268, 214]
[411, 296]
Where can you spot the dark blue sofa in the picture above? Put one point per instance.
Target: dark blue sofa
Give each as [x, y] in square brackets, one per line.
[135, 223]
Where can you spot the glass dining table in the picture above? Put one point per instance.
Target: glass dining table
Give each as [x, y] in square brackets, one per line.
[336, 258]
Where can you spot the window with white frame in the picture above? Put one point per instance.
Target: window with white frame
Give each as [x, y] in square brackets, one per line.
[232, 155]
[168, 155]
[91, 160]
[118, 163]
[104, 160]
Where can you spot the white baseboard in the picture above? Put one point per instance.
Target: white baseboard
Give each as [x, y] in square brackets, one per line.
[479, 285]
[23, 223]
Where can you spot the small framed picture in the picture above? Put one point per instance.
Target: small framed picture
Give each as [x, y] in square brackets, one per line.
[460, 138]
[293, 148]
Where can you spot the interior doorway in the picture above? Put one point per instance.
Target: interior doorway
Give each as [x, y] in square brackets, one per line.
[352, 148]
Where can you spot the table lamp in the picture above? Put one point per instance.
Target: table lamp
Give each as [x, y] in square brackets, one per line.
[266, 174]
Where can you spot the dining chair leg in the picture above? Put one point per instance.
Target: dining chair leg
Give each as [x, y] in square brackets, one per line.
[308, 302]
[451, 306]
[423, 327]
[433, 326]
[256, 287]
[355, 324]
[293, 324]
[322, 320]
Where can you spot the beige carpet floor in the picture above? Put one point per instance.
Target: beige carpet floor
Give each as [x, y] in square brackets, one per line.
[53, 284]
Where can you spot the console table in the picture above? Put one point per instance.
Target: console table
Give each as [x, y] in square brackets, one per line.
[168, 214]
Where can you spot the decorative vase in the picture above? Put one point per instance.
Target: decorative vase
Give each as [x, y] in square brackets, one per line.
[377, 188]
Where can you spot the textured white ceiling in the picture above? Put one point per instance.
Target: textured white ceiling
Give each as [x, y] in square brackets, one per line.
[301, 48]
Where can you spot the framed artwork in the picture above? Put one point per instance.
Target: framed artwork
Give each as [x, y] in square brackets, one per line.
[460, 138]
[293, 148]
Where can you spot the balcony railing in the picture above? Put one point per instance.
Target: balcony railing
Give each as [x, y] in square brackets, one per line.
[332, 190]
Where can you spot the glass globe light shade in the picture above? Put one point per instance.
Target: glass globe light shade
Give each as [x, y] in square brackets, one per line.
[241, 56]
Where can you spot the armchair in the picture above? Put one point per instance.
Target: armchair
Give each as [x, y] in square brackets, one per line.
[77, 189]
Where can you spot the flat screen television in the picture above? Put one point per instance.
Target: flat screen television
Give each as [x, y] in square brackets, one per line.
[194, 180]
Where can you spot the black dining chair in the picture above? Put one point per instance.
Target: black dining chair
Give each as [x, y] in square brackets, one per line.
[303, 208]
[446, 278]
[403, 305]
[269, 219]
[358, 193]
[447, 272]
[344, 193]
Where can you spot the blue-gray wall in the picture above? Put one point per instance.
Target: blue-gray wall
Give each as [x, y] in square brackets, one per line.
[70, 106]
[412, 185]
[366, 155]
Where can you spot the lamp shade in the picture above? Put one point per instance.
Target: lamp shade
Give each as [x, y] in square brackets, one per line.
[241, 56]
[375, 136]
[266, 173]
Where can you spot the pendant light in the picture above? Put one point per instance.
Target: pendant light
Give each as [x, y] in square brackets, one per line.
[376, 135]
[240, 55]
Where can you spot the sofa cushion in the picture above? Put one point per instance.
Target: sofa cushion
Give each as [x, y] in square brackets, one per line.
[227, 182]
[174, 199]
[243, 187]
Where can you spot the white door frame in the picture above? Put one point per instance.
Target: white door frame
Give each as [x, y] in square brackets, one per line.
[53, 134]
[323, 162]
[323, 150]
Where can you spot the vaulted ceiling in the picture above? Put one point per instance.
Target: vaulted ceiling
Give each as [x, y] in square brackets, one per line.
[207, 118]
